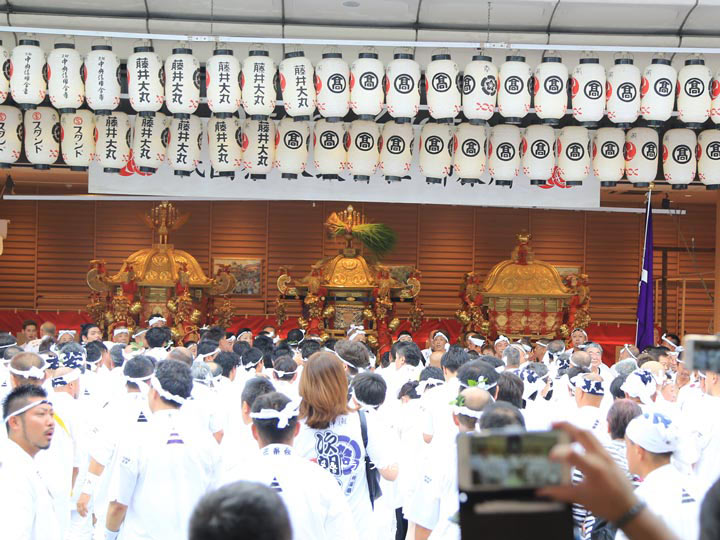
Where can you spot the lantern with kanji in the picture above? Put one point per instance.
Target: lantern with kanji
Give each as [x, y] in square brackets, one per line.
[225, 144]
[329, 150]
[396, 150]
[550, 89]
[504, 153]
[715, 97]
[657, 95]
[146, 80]
[102, 79]
[538, 153]
[623, 92]
[11, 135]
[150, 141]
[114, 141]
[185, 139]
[182, 82]
[441, 86]
[402, 86]
[363, 153]
[588, 91]
[469, 152]
[436, 151]
[708, 158]
[366, 88]
[4, 73]
[77, 139]
[292, 148]
[258, 146]
[573, 155]
[257, 83]
[679, 163]
[608, 161]
[514, 91]
[641, 156]
[65, 77]
[297, 84]
[332, 74]
[694, 92]
[28, 85]
[222, 81]
[42, 137]
[479, 88]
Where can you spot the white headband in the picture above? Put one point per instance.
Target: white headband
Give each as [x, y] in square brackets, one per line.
[231, 338]
[66, 379]
[355, 331]
[579, 330]
[466, 412]
[137, 380]
[203, 356]
[241, 334]
[359, 369]
[422, 386]
[33, 373]
[140, 333]
[121, 330]
[62, 333]
[248, 367]
[441, 333]
[155, 383]
[290, 411]
[361, 402]
[158, 318]
[477, 342]
[524, 347]
[625, 348]
[666, 340]
[26, 408]
[281, 373]
[481, 383]
[502, 338]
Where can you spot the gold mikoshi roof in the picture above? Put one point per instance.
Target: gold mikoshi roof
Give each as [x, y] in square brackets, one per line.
[159, 266]
[342, 271]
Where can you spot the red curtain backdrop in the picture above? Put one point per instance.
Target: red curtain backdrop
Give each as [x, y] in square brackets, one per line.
[609, 336]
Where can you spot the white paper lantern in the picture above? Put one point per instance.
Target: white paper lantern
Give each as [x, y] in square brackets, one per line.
[588, 91]
[657, 95]
[11, 135]
[363, 150]
[694, 92]
[42, 137]
[102, 79]
[114, 141]
[28, 84]
[292, 147]
[297, 84]
[4, 73]
[436, 151]
[504, 153]
[641, 156]
[65, 78]
[441, 87]
[366, 88]
[396, 150]
[402, 87]
[182, 82]
[225, 144]
[146, 80]
[479, 88]
[257, 83]
[329, 148]
[514, 82]
[222, 82]
[150, 141]
[550, 90]
[77, 139]
[258, 147]
[708, 158]
[469, 152]
[573, 154]
[538, 153]
[185, 141]
[715, 96]
[623, 92]
[332, 75]
[679, 163]
[608, 160]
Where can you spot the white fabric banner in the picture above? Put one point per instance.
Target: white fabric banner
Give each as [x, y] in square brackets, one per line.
[202, 183]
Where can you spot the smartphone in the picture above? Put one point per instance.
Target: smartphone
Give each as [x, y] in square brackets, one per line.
[702, 352]
[510, 461]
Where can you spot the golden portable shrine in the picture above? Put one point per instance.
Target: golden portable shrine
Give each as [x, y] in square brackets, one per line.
[347, 290]
[524, 296]
[160, 280]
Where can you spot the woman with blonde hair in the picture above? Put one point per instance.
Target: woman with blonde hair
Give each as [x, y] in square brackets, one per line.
[331, 435]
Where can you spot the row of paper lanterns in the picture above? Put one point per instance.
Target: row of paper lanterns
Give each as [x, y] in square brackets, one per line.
[622, 93]
[361, 149]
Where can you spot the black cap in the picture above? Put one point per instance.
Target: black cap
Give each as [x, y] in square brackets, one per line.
[556, 59]
[663, 61]
[34, 42]
[64, 46]
[623, 60]
[368, 55]
[101, 48]
[405, 56]
[259, 52]
[182, 50]
[694, 62]
[443, 56]
[332, 55]
[222, 52]
[144, 48]
[589, 60]
[294, 54]
[482, 57]
[514, 58]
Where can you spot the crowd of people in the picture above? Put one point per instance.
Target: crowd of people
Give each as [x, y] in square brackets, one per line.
[256, 436]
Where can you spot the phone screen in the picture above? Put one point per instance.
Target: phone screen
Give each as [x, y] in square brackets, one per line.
[511, 461]
[706, 356]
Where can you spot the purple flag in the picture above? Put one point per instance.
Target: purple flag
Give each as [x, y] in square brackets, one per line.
[645, 335]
